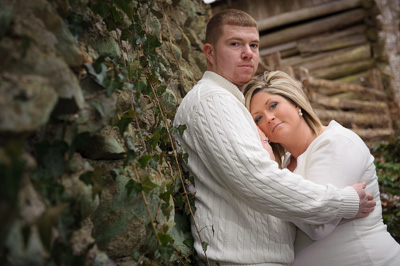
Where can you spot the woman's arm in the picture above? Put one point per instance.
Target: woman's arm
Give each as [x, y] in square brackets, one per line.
[337, 159]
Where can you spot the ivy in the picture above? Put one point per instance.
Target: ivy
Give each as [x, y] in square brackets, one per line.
[387, 162]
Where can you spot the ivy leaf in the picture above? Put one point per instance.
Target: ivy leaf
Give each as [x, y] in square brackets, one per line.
[165, 196]
[101, 8]
[46, 222]
[130, 157]
[99, 107]
[133, 187]
[165, 238]
[188, 242]
[144, 160]
[155, 138]
[124, 5]
[135, 255]
[161, 89]
[148, 185]
[204, 245]
[51, 157]
[86, 177]
[166, 253]
[123, 123]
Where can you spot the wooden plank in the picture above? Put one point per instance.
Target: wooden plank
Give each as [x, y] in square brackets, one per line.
[337, 71]
[348, 104]
[353, 120]
[358, 78]
[278, 48]
[369, 133]
[339, 57]
[311, 28]
[306, 14]
[329, 44]
[336, 87]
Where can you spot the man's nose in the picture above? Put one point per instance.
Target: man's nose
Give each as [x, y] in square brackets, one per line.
[247, 52]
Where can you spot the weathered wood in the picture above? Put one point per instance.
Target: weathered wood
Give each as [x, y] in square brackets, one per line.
[272, 60]
[326, 36]
[354, 120]
[336, 87]
[320, 57]
[339, 57]
[358, 78]
[321, 100]
[342, 70]
[289, 52]
[375, 79]
[329, 44]
[278, 48]
[306, 14]
[315, 27]
[370, 133]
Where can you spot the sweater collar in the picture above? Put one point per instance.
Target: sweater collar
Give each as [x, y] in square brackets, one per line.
[224, 83]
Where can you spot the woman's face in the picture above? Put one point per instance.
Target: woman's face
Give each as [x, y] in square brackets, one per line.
[277, 117]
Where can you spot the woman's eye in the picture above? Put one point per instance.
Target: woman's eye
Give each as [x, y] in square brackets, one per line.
[273, 105]
[257, 119]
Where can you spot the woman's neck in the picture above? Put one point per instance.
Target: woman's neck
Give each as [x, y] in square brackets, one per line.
[299, 144]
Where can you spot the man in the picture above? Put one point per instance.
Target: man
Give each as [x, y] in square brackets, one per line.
[241, 194]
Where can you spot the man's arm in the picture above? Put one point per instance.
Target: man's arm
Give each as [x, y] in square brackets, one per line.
[227, 141]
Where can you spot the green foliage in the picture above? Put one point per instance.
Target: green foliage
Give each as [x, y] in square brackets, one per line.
[388, 169]
[150, 165]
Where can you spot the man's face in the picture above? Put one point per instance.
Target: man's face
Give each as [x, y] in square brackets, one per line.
[236, 54]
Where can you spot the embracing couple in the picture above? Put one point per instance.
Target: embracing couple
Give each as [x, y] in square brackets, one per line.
[273, 186]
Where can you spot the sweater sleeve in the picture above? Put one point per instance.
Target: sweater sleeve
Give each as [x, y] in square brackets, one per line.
[336, 160]
[226, 138]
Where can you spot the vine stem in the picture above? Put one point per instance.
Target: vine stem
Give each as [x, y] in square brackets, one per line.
[151, 217]
[178, 164]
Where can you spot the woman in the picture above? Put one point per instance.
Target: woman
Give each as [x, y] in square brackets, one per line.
[331, 154]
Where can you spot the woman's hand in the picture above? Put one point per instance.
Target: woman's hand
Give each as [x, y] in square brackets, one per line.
[265, 143]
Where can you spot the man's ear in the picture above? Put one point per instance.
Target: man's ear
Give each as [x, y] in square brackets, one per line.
[208, 50]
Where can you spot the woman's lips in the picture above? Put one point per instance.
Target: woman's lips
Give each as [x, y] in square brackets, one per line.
[273, 129]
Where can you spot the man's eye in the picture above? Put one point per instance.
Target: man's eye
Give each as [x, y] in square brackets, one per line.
[234, 44]
[254, 45]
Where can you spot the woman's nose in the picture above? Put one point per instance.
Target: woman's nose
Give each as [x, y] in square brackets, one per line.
[270, 117]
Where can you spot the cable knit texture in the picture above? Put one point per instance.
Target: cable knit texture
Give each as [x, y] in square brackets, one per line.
[238, 188]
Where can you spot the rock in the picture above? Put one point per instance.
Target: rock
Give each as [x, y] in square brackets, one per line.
[6, 14]
[107, 46]
[169, 100]
[104, 145]
[20, 253]
[26, 103]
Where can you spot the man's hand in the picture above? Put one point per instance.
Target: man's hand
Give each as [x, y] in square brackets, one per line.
[367, 205]
[266, 146]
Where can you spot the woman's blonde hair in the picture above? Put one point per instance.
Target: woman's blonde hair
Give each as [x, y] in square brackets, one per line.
[280, 83]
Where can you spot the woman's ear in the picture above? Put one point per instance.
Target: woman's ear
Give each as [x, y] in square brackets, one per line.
[208, 50]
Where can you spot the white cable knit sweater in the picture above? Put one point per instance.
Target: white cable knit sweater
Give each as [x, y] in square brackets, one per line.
[238, 188]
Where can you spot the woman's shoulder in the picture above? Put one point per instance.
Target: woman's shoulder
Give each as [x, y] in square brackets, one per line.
[338, 135]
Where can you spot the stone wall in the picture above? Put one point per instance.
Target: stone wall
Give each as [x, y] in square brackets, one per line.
[88, 90]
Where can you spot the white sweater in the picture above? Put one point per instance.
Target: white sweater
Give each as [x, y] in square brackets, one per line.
[339, 157]
[238, 188]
